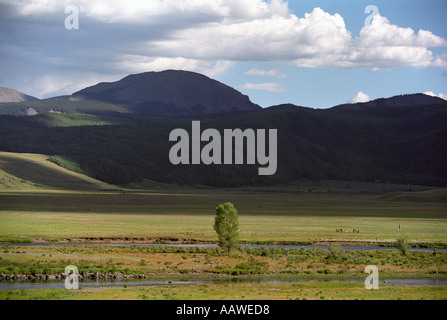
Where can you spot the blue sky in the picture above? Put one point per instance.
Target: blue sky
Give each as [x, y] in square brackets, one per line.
[309, 53]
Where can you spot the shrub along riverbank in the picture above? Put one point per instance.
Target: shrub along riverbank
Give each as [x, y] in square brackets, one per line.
[137, 261]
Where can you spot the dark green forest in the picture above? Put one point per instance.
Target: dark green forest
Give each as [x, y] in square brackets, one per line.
[396, 145]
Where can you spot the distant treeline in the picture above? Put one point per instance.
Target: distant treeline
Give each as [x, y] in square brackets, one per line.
[399, 145]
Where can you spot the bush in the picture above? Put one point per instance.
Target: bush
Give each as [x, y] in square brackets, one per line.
[335, 254]
[403, 246]
[253, 266]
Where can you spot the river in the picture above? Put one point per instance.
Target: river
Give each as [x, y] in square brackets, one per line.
[210, 245]
[25, 285]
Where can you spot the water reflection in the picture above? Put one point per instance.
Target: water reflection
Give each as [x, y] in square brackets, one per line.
[24, 285]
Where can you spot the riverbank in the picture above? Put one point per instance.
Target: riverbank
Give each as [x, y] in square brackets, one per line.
[98, 280]
[308, 290]
[43, 262]
[182, 241]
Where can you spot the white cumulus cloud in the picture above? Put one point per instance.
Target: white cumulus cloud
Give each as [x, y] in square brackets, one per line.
[207, 36]
[256, 30]
[270, 86]
[265, 73]
[137, 63]
[360, 98]
[55, 84]
[431, 93]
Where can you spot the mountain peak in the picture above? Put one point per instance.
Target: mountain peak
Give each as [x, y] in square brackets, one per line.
[10, 95]
[169, 93]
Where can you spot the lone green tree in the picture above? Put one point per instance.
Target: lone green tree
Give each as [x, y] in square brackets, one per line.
[226, 224]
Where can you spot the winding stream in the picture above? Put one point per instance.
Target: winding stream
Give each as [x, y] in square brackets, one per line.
[24, 285]
[210, 245]
[27, 284]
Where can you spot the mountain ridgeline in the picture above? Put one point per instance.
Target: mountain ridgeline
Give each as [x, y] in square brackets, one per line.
[119, 133]
[168, 93]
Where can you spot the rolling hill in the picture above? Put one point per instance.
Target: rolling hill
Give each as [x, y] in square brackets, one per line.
[35, 171]
[119, 133]
[395, 145]
[57, 105]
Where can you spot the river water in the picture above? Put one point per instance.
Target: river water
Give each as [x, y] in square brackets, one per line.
[24, 285]
[208, 245]
[19, 285]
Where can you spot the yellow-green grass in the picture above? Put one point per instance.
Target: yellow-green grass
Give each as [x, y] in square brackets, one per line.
[30, 208]
[209, 268]
[26, 172]
[190, 215]
[200, 262]
[312, 290]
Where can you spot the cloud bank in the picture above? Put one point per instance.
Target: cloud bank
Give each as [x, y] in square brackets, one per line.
[207, 36]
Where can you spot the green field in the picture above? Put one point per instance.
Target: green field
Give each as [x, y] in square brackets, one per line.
[264, 217]
[40, 201]
[312, 290]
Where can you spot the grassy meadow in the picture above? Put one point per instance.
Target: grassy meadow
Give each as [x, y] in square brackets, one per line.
[264, 217]
[41, 202]
[310, 290]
